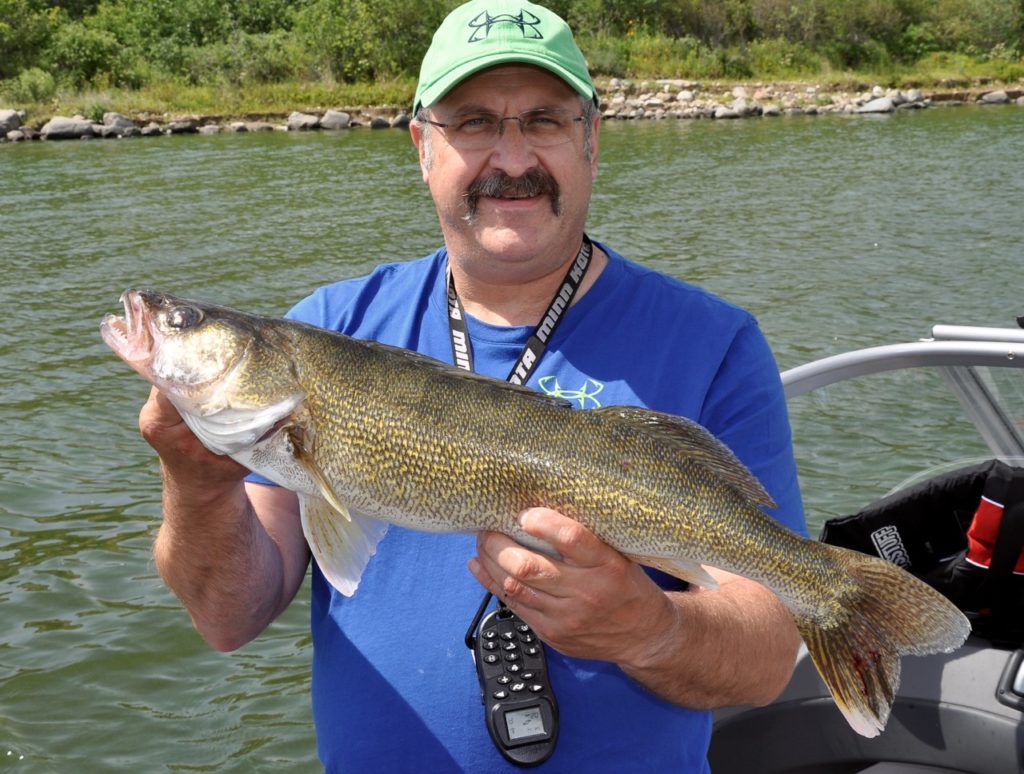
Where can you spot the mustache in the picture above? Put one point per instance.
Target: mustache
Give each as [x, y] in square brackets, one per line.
[533, 182]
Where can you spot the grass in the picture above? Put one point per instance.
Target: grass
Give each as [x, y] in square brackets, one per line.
[163, 99]
[171, 98]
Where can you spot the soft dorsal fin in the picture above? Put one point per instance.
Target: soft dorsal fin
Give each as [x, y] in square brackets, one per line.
[696, 442]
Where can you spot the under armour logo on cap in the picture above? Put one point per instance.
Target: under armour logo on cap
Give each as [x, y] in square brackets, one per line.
[527, 22]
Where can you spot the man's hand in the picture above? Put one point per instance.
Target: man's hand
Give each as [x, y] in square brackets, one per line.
[184, 458]
[235, 559]
[593, 603]
[695, 648]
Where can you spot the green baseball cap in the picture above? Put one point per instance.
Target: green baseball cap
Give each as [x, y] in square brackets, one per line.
[484, 33]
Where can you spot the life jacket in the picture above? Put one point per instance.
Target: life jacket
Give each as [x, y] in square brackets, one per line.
[961, 532]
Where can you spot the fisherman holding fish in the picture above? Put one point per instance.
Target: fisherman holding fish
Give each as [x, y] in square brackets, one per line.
[507, 129]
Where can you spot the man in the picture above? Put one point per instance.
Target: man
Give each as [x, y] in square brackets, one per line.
[507, 131]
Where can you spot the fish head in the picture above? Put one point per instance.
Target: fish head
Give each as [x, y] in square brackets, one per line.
[221, 368]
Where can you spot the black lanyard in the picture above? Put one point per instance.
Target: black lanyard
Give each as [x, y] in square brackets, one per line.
[462, 350]
[493, 668]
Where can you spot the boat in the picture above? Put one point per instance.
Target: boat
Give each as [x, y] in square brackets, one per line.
[957, 713]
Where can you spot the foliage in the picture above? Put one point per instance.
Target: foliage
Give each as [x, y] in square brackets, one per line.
[30, 86]
[355, 40]
[25, 30]
[227, 44]
[80, 53]
[245, 58]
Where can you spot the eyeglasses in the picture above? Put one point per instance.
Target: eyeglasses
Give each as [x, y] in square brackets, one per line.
[480, 131]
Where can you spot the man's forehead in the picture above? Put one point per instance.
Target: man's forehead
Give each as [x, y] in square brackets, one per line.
[506, 82]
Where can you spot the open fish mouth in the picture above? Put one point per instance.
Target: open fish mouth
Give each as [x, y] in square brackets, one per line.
[129, 336]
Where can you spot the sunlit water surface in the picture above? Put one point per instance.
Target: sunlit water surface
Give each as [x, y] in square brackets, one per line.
[837, 232]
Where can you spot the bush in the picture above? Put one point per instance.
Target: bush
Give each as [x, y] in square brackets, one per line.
[778, 57]
[25, 30]
[80, 53]
[245, 59]
[30, 86]
[979, 25]
[917, 41]
[369, 39]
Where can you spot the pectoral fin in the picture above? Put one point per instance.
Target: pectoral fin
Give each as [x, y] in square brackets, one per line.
[342, 546]
[301, 453]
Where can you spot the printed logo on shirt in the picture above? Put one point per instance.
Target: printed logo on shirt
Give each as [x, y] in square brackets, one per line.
[586, 395]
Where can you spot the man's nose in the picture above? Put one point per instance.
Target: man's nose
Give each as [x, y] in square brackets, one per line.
[512, 152]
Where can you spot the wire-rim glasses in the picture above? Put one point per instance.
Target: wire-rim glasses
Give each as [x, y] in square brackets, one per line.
[542, 128]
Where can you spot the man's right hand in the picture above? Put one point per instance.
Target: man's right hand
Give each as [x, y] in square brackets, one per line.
[233, 553]
[184, 459]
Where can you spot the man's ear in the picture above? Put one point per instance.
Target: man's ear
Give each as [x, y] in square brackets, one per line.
[416, 133]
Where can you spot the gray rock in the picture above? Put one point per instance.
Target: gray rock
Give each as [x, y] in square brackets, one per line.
[10, 120]
[401, 121]
[336, 119]
[117, 122]
[187, 126]
[379, 122]
[63, 128]
[880, 105]
[771, 111]
[260, 126]
[210, 129]
[301, 122]
[151, 130]
[15, 135]
[994, 98]
[914, 95]
[239, 126]
[723, 112]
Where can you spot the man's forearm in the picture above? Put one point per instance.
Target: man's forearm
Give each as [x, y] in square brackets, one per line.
[215, 554]
[733, 645]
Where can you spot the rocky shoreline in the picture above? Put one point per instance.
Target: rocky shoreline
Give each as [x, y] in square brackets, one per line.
[620, 100]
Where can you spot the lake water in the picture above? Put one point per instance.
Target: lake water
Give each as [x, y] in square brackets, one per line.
[838, 232]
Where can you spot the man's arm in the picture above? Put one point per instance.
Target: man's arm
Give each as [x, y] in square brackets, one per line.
[699, 648]
[233, 552]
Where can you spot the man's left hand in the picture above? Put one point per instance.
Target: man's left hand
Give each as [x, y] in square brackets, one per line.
[592, 603]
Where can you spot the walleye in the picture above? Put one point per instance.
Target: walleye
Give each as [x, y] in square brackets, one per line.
[370, 435]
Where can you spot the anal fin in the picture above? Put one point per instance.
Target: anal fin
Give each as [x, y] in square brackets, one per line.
[688, 571]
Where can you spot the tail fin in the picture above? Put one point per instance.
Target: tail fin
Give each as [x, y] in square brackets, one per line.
[889, 613]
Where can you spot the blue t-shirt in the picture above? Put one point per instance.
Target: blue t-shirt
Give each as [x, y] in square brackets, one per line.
[394, 686]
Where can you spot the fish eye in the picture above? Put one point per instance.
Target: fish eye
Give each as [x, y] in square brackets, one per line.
[182, 317]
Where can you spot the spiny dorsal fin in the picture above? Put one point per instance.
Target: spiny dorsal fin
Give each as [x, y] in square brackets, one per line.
[459, 373]
[696, 442]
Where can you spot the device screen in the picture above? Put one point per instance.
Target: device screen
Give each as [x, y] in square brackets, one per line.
[523, 723]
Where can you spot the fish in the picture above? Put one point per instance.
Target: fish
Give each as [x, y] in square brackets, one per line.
[370, 435]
